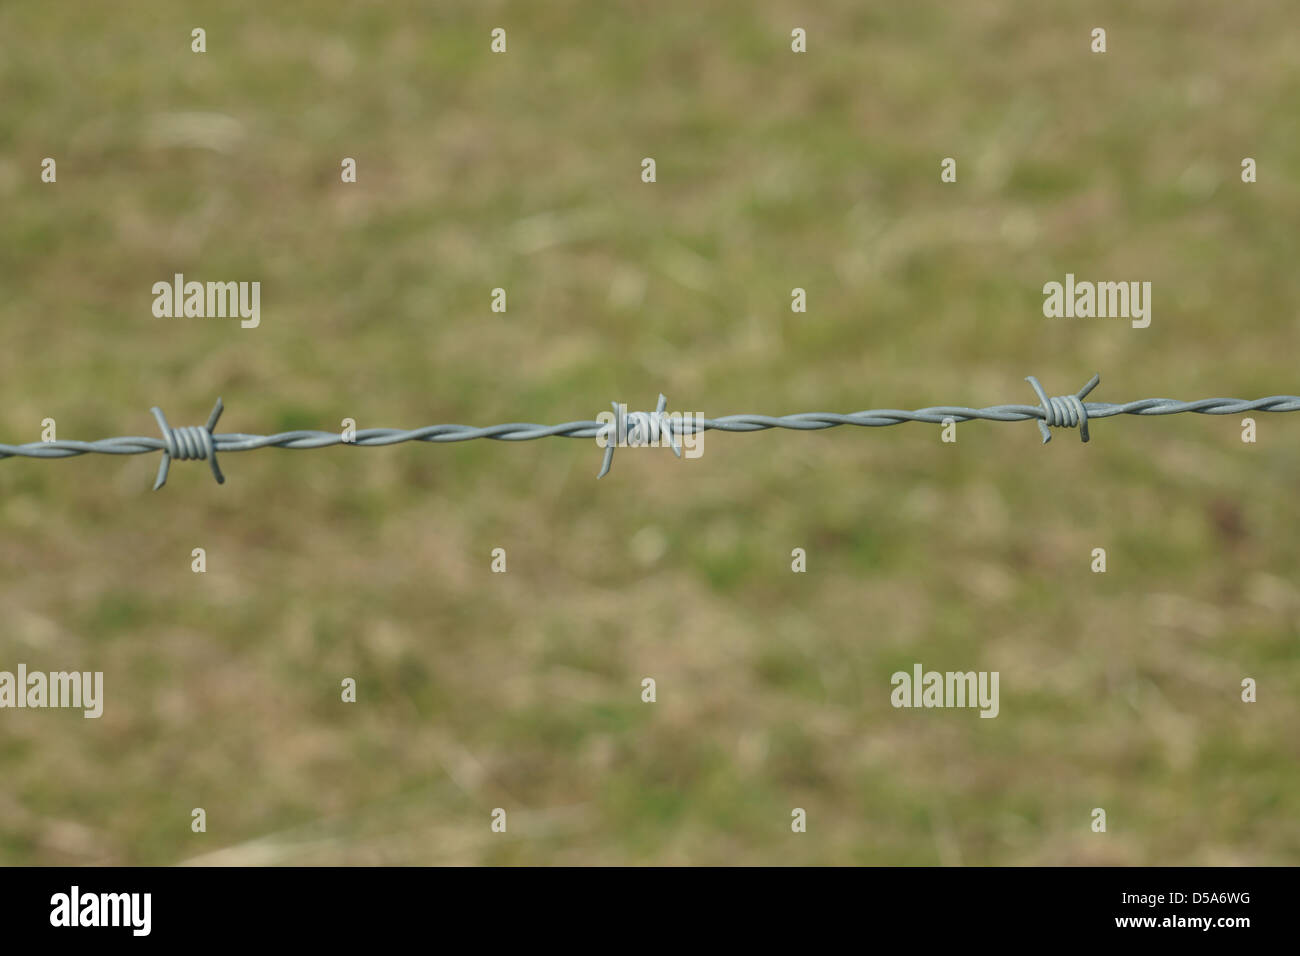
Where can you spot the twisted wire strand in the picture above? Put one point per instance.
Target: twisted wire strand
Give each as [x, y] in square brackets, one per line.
[193, 442]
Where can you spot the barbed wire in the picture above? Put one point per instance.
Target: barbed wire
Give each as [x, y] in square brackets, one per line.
[634, 429]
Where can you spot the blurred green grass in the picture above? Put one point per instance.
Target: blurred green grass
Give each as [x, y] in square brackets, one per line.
[522, 690]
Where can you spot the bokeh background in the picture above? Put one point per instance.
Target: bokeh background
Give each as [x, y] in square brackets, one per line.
[522, 690]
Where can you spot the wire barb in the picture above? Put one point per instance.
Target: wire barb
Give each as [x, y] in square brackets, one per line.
[636, 428]
[1064, 411]
[190, 443]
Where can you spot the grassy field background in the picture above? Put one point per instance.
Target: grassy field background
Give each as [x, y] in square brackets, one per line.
[522, 690]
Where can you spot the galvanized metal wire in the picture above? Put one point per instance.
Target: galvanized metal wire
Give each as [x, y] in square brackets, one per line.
[635, 428]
